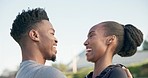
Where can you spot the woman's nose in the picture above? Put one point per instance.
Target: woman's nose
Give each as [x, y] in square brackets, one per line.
[86, 43]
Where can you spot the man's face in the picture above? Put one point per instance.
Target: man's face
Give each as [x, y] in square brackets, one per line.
[95, 44]
[48, 42]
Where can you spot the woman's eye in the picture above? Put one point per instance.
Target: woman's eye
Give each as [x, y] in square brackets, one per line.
[90, 35]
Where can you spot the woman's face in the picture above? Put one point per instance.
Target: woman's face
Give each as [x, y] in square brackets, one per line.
[95, 43]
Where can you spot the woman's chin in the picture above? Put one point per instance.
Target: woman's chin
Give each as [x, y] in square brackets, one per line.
[89, 60]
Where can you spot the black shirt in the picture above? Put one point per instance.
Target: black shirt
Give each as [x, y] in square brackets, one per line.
[112, 71]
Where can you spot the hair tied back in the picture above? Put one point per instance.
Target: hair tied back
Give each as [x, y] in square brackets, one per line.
[133, 38]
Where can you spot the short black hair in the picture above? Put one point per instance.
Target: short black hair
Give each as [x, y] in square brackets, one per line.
[25, 21]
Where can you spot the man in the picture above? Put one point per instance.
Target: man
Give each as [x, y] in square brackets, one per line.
[35, 34]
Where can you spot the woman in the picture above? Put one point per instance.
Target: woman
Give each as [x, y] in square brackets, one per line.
[107, 39]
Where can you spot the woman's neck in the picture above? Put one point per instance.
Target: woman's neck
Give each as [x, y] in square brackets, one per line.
[101, 64]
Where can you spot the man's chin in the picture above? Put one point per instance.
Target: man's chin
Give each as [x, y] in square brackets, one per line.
[53, 58]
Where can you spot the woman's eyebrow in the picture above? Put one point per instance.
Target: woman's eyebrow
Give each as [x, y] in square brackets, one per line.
[90, 32]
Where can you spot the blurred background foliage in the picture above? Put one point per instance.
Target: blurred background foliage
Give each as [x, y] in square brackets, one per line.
[137, 70]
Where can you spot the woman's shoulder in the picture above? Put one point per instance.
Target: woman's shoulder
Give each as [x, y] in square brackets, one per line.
[117, 72]
[112, 71]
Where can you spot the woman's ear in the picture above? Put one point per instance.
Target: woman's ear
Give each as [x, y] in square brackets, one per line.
[34, 35]
[110, 39]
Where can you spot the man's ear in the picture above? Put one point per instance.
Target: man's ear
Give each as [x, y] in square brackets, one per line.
[110, 39]
[34, 35]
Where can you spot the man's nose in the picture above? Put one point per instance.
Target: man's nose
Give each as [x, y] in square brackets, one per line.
[56, 40]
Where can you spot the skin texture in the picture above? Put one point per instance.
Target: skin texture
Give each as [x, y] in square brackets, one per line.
[100, 49]
[39, 44]
[129, 75]
[96, 42]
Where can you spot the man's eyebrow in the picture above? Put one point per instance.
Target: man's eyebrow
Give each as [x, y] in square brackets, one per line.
[52, 29]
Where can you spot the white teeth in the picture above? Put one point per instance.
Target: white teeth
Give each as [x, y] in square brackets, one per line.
[87, 50]
[54, 46]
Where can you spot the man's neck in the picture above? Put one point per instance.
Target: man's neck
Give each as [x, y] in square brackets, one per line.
[32, 54]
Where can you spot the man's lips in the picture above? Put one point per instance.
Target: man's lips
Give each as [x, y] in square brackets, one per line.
[55, 49]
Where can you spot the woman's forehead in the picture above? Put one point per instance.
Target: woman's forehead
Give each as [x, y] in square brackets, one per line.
[97, 27]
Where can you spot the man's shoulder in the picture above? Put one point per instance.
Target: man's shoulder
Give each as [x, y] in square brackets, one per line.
[30, 69]
[49, 72]
[48, 69]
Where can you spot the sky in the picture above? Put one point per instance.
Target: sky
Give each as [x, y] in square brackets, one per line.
[71, 20]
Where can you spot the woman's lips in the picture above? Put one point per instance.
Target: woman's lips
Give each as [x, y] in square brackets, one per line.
[88, 51]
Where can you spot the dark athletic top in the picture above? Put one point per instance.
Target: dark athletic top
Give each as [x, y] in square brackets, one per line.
[112, 71]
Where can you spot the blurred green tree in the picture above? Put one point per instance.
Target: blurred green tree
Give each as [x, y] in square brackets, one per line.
[145, 44]
[62, 67]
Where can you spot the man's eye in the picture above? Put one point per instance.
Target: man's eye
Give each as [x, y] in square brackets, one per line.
[52, 33]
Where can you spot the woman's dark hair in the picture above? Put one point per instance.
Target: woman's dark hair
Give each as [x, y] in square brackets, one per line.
[25, 21]
[129, 37]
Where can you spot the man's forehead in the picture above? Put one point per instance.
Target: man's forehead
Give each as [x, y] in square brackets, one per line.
[50, 25]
